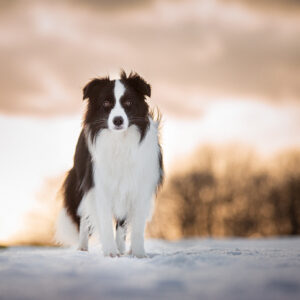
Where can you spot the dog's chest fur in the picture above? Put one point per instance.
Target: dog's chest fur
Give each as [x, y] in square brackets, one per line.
[125, 168]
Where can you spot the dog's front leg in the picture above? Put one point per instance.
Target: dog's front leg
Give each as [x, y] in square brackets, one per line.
[138, 224]
[104, 223]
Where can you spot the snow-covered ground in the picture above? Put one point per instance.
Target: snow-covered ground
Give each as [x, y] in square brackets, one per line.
[187, 269]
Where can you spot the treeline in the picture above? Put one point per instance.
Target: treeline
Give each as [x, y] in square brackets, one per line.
[230, 192]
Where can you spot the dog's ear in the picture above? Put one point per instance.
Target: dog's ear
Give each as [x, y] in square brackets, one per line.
[137, 82]
[93, 87]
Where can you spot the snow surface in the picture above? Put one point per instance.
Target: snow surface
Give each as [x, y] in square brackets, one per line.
[187, 269]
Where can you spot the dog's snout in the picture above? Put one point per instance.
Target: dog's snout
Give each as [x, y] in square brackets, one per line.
[118, 121]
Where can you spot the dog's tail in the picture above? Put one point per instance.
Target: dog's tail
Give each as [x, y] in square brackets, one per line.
[66, 232]
[66, 229]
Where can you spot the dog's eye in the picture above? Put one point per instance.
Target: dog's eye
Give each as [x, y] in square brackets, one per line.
[106, 103]
[127, 103]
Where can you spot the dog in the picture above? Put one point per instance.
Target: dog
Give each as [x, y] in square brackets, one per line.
[117, 170]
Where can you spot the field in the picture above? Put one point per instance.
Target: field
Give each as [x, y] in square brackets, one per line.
[186, 269]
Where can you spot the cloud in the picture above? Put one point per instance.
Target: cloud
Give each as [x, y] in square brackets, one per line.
[271, 6]
[188, 50]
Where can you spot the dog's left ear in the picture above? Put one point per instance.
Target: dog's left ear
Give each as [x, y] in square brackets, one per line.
[137, 82]
[93, 87]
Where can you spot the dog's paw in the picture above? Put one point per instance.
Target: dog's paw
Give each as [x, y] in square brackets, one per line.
[138, 254]
[111, 253]
[121, 246]
[82, 249]
[122, 251]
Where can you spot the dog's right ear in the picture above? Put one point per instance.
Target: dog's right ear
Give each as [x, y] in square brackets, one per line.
[93, 87]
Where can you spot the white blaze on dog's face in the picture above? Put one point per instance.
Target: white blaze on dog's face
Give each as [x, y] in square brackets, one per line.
[118, 119]
[117, 104]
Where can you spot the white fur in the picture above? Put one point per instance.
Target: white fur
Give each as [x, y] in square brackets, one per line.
[84, 211]
[125, 174]
[66, 232]
[120, 239]
[126, 171]
[118, 110]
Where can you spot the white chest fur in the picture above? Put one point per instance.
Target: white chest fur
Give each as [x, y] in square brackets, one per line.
[125, 169]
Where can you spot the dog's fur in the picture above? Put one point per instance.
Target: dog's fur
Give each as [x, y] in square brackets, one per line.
[118, 166]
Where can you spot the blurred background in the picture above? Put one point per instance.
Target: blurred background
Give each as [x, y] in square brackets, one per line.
[225, 74]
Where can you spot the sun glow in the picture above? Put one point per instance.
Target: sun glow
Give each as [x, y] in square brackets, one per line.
[34, 149]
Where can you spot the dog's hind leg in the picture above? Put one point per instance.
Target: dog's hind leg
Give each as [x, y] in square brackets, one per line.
[83, 234]
[121, 228]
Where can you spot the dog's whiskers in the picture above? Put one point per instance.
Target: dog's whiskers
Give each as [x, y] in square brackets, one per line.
[138, 119]
[100, 122]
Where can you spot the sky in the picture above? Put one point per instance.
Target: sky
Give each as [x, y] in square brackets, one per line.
[221, 72]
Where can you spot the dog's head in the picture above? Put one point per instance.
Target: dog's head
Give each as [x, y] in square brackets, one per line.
[117, 104]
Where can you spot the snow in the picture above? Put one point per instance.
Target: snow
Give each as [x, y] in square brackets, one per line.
[187, 269]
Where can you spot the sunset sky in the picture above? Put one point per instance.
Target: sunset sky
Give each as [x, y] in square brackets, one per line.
[221, 72]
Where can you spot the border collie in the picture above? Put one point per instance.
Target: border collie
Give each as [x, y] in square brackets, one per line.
[117, 169]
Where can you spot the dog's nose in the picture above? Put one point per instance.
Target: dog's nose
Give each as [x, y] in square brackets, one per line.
[118, 121]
